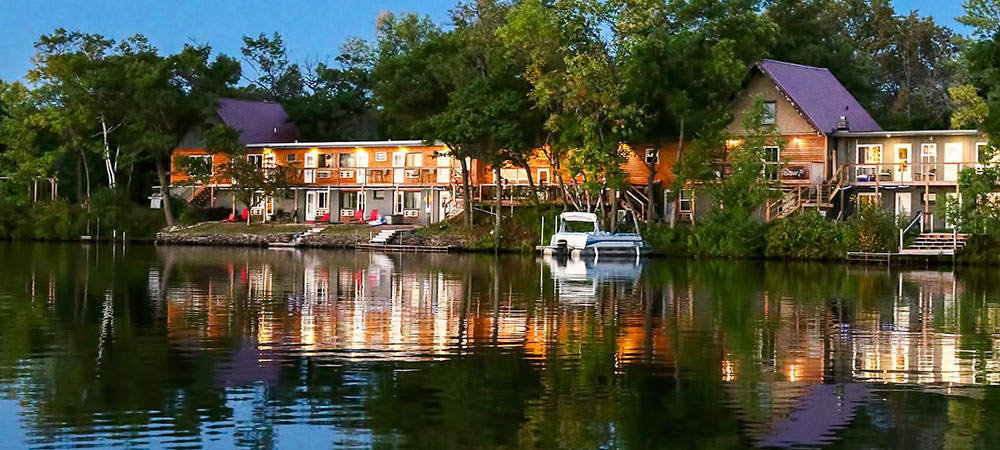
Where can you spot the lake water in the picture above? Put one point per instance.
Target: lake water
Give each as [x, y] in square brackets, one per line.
[188, 347]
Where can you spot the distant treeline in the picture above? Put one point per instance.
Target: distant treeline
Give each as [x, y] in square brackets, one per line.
[573, 77]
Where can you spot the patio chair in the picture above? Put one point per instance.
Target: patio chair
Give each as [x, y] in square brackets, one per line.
[359, 215]
[231, 218]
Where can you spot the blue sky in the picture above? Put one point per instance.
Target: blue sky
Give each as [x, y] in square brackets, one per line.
[311, 28]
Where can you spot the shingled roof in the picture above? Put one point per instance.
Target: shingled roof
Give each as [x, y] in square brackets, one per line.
[818, 95]
[257, 121]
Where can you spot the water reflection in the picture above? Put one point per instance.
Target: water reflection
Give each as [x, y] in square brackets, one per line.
[208, 347]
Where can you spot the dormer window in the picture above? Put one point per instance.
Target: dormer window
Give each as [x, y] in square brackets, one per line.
[769, 113]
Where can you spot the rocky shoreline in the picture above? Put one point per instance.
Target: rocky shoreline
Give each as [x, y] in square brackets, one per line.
[334, 241]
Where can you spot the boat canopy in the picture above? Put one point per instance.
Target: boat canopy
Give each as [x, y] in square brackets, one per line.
[578, 217]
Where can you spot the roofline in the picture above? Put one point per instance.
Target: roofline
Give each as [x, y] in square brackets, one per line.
[347, 144]
[903, 133]
[790, 98]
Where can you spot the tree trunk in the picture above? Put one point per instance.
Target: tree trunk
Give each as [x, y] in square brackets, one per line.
[79, 179]
[86, 173]
[531, 185]
[650, 181]
[499, 205]
[680, 154]
[164, 192]
[466, 194]
[613, 195]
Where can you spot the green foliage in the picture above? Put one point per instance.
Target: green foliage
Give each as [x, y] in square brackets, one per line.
[969, 110]
[722, 236]
[664, 240]
[875, 228]
[809, 235]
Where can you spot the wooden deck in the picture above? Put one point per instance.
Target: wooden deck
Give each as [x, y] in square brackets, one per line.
[400, 248]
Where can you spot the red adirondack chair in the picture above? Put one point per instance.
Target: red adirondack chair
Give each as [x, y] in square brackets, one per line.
[374, 215]
[231, 218]
[359, 216]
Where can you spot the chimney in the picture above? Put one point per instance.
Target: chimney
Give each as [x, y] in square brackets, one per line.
[843, 124]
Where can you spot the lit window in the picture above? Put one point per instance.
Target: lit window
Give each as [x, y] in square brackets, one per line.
[652, 156]
[348, 160]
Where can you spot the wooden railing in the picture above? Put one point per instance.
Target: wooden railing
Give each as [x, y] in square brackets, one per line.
[925, 172]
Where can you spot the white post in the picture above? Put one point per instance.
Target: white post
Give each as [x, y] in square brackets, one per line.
[541, 237]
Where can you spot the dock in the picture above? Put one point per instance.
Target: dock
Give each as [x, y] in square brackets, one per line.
[399, 248]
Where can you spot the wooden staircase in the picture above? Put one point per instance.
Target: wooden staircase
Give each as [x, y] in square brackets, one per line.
[936, 244]
[200, 196]
[796, 198]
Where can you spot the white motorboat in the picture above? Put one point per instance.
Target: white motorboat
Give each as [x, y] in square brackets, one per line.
[579, 233]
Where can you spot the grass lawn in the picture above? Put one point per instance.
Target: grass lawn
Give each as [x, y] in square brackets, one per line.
[243, 228]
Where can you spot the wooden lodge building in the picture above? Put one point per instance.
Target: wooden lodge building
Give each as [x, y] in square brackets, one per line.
[834, 155]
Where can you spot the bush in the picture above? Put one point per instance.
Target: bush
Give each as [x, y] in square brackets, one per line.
[809, 235]
[875, 228]
[723, 237]
[667, 241]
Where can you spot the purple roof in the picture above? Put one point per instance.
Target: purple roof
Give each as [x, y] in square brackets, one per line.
[257, 121]
[819, 95]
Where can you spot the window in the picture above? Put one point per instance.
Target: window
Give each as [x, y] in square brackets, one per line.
[986, 154]
[321, 200]
[348, 160]
[414, 159]
[256, 160]
[323, 174]
[772, 155]
[868, 156]
[348, 200]
[411, 200]
[327, 160]
[543, 176]
[290, 157]
[865, 198]
[199, 163]
[686, 201]
[928, 198]
[770, 113]
[380, 156]
[398, 159]
[652, 156]
[378, 195]
[928, 157]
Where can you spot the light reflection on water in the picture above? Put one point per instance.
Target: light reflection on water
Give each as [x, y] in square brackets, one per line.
[221, 348]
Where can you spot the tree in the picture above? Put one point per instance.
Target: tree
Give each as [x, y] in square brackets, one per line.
[969, 110]
[576, 82]
[683, 62]
[251, 184]
[272, 75]
[898, 66]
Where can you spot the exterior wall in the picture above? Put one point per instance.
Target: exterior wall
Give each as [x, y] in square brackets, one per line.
[906, 202]
[894, 171]
[787, 117]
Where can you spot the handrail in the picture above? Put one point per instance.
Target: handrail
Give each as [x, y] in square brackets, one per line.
[919, 217]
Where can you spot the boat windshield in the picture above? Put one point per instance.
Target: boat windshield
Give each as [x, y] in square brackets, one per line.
[578, 227]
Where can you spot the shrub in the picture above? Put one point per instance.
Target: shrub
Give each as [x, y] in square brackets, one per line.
[719, 236]
[667, 241]
[875, 228]
[809, 235]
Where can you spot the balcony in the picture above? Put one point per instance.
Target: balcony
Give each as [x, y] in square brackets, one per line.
[919, 173]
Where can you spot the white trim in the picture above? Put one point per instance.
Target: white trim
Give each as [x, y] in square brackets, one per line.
[347, 144]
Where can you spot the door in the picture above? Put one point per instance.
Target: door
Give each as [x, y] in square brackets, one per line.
[952, 155]
[310, 206]
[904, 204]
[904, 172]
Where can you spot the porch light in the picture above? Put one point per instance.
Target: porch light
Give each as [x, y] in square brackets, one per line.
[733, 142]
[404, 149]
[797, 141]
[361, 150]
[267, 151]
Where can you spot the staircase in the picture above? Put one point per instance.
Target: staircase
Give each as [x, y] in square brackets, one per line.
[936, 244]
[383, 237]
[299, 238]
[199, 196]
[795, 198]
